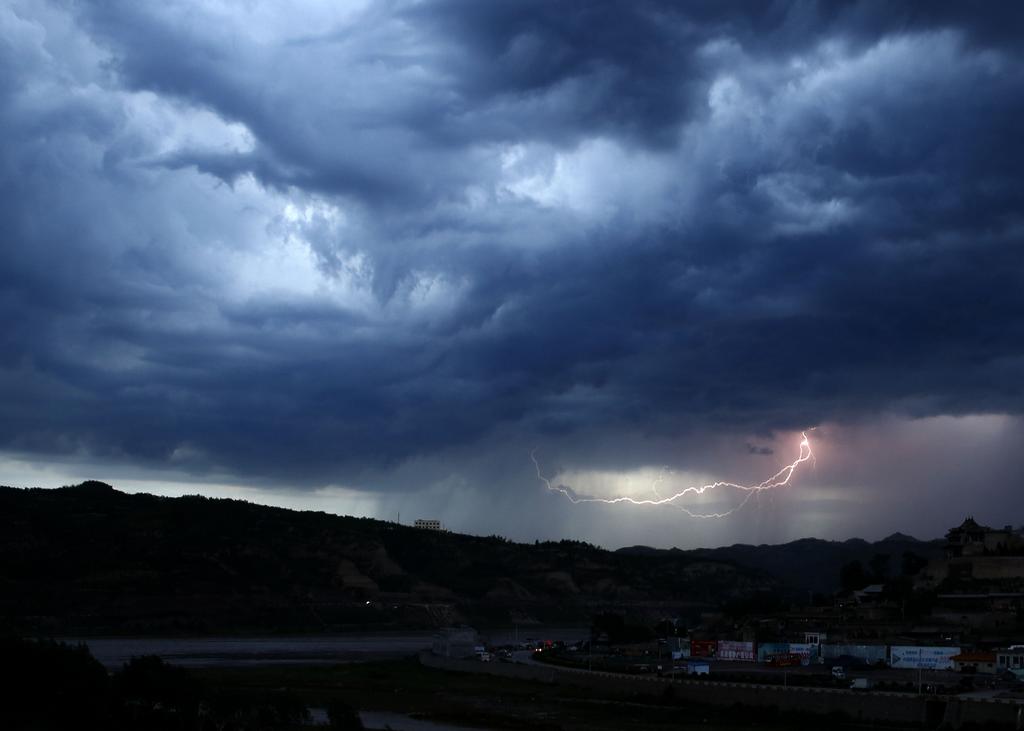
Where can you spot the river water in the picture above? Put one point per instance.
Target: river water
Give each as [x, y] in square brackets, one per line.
[402, 722]
[198, 652]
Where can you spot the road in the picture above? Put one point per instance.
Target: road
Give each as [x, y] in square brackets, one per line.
[888, 675]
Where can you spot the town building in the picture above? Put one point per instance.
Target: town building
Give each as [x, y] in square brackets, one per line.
[815, 638]
[975, 662]
[1012, 659]
[972, 539]
[978, 561]
[428, 524]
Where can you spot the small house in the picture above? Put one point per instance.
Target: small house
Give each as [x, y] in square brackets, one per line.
[975, 662]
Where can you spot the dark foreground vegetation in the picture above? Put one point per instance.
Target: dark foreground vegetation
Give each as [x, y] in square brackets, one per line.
[55, 686]
[51, 685]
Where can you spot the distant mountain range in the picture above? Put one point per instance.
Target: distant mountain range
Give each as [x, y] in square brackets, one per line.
[809, 564]
[89, 558]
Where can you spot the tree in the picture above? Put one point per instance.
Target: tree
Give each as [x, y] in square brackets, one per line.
[618, 629]
[912, 564]
[257, 709]
[149, 679]
[666, 628]
[609, 624]
[852, 576]
[52, 685]
[343, 716]
[879, 564]
[156, 694]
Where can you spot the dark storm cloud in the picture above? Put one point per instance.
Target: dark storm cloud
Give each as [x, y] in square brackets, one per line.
[539, 217]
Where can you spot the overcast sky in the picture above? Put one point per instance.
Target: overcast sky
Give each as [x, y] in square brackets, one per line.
[366, 257]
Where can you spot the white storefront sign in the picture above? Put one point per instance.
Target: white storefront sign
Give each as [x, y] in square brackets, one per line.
[924, 658]
[729, 650]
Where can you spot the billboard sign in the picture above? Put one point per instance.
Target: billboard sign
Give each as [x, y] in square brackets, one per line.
[703, 648]
[766, 649]
[924, 658]
[869, 654]
[730, 650]
[804, 650]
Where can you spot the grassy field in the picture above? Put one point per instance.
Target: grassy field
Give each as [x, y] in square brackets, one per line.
[405, 686]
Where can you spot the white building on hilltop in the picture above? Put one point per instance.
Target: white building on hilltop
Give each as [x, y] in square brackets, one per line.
[428, 524]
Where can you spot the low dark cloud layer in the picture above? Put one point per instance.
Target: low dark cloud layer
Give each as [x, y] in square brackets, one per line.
[304, 247]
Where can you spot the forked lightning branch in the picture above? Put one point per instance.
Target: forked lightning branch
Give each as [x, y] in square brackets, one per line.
[781, 478]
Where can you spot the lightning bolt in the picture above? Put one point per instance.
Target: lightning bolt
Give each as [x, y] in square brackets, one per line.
[779, 479]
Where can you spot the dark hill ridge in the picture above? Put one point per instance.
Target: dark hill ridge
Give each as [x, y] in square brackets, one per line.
[92, 559]
[808, 564]
[902, 537]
